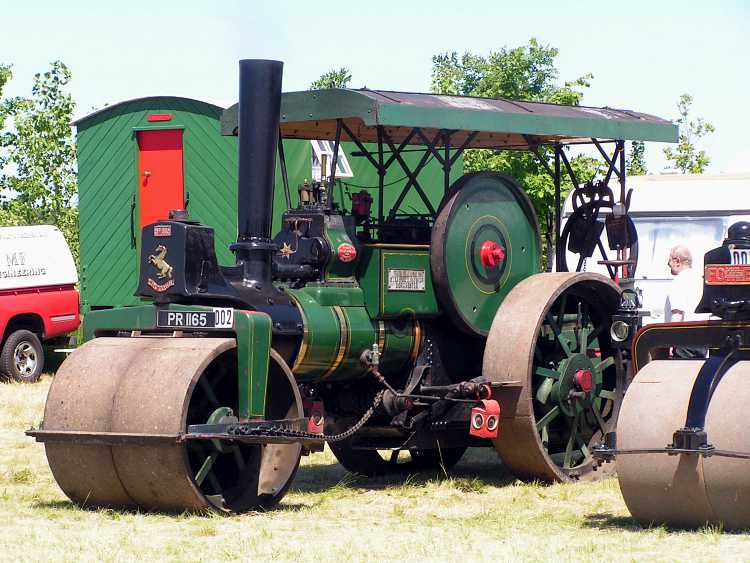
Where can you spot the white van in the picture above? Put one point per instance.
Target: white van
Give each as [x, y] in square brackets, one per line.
[691, 209]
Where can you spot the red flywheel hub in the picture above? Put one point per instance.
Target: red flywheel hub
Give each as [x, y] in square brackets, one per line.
[491, 254]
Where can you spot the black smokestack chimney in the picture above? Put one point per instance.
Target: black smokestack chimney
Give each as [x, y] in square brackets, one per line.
[259, 109]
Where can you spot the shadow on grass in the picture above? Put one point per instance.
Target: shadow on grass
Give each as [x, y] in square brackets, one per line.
[480, 465]
[57, 505]
[115, 513]
[607, 521]
[70, 506]
[479, 468]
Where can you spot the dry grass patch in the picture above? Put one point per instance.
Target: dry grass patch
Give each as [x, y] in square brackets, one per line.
[476, 511]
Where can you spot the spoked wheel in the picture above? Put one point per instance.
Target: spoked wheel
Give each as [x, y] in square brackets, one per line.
[383, 462]
[226, 473]
[549, 343]
[157, 387]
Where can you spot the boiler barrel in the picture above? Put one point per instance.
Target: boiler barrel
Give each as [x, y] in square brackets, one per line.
[335, 337]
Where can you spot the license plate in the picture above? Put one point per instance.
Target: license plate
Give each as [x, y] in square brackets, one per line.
[219, 317]
[406, 280]
[740, 256]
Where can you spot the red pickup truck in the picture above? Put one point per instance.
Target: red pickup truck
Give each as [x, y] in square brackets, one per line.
[38, 297]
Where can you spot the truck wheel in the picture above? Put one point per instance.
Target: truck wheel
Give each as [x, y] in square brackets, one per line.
[22, 358]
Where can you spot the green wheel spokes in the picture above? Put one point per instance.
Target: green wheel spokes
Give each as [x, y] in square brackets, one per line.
[573, 436]
[606, 394]
[599, 420]
[544, 390]
[206, 468]
[568, 418]
[215, 463]
[543, 422]
[583, 336]
[546, 372]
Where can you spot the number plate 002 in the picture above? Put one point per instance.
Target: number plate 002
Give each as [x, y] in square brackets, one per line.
[740, 256]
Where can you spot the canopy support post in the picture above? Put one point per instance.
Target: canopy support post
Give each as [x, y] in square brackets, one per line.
[622, 171]
[334, 164]
[446, 162]
[381, 175]
[558, 210]
[284, 175]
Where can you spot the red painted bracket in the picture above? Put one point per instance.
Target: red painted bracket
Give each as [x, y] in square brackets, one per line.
[485, 419]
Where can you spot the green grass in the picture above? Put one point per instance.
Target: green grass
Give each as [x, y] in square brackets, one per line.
[475, 512]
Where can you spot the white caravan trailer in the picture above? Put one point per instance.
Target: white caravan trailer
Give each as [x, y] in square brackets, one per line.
[690, 209]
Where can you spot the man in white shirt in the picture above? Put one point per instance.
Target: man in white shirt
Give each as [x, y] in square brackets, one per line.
[683, 297]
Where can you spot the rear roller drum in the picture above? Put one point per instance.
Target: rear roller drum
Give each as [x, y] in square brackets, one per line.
[159, 386]
[549, 343]
[685, 490]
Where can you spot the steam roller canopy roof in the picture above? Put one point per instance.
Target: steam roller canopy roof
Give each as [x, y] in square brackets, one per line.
[478, 122]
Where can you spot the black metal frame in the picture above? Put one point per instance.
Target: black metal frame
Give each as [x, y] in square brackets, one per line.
[447, 160]
[561, 157]
[450, 154]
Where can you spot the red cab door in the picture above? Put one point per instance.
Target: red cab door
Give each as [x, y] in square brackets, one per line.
[160, 178]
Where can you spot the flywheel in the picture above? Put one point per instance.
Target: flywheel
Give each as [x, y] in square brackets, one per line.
[484, 241]
[156, 386]
[549, 347]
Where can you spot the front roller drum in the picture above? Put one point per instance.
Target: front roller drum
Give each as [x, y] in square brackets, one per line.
[685, 490]
[155, 388]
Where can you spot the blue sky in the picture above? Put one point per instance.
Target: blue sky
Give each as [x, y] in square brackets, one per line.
[643, 55]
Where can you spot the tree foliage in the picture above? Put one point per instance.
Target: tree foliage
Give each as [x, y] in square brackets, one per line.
[5, 76]
[635, 165]
[525, 73]
[521, 73]
[332, 79]
[686, 157]
[37, 156]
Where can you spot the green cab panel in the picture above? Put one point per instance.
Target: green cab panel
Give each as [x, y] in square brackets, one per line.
[397, 281]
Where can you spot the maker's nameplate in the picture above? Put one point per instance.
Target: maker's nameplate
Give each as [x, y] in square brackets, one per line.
[406, 280]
